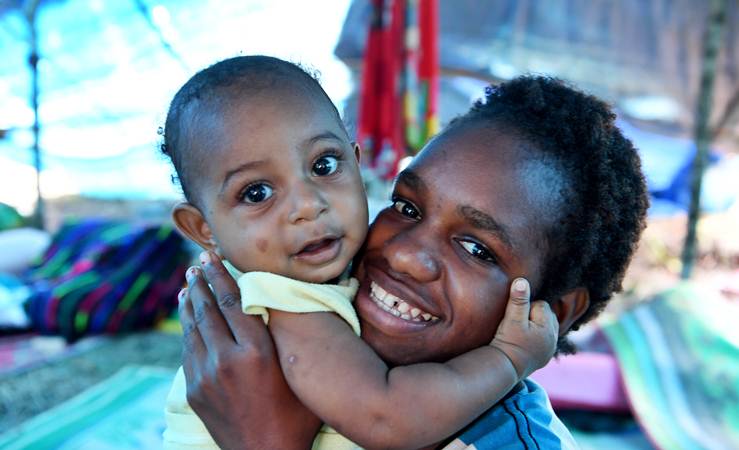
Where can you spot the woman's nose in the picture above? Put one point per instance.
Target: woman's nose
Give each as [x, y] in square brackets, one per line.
[307, 202]
[413, 257]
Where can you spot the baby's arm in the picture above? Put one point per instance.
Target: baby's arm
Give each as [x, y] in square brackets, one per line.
[340, 378]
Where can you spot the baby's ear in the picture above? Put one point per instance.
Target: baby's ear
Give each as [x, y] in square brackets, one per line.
[190, 221]
[570, 307]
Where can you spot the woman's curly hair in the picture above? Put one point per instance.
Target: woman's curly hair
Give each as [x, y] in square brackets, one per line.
[605, 203]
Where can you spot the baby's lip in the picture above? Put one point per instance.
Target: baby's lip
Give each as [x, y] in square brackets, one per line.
[317, 243]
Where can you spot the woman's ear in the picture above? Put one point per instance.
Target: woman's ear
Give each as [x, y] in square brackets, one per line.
[570, 307]
[192, 224]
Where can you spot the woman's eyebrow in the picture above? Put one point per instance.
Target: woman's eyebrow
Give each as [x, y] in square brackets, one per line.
[483, 221]
[412, 180]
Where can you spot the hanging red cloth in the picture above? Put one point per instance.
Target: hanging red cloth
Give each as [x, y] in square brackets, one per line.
[398, 97]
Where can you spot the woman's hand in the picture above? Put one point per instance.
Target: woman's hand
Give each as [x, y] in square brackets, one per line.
[234, 380]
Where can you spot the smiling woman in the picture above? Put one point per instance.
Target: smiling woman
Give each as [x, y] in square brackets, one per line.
[536, 182]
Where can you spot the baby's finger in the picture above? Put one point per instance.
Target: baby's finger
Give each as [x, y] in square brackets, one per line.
[542, 315]
[518, 305]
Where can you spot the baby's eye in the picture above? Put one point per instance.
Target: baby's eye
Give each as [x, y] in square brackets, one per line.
[406, 208]
[325, 165]
[477, 250]
[257, 193]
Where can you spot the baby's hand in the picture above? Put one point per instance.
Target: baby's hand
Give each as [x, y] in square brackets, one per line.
[529, 341]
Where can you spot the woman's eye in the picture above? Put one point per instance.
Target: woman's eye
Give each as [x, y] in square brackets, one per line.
[477, 250]
[407, 209]
[325, 165]
[257, 193]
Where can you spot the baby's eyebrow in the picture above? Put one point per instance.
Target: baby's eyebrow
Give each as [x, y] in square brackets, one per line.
[485, 222]
[324, 135]
[241, 168]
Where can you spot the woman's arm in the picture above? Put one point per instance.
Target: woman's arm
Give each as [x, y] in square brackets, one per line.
[345, 383]
[234, 380]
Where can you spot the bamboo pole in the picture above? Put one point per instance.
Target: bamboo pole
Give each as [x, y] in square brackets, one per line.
[711, 46]
[30, 10]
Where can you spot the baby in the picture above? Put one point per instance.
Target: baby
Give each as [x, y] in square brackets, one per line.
[273, 186]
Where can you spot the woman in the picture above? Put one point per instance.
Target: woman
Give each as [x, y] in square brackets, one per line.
[534, 182]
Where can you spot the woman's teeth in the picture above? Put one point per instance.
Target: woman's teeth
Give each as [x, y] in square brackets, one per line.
[398, 307]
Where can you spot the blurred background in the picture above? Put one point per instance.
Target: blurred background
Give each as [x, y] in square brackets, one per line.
[90, 264]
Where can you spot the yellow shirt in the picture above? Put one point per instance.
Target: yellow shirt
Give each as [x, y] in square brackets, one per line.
[259, 291]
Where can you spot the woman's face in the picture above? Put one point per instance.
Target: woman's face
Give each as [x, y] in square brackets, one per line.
[467, 217]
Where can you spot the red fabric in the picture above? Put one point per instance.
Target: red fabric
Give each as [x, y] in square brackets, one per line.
[382, 119]
[428, 64]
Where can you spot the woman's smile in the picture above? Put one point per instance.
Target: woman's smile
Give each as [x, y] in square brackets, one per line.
[397, 306]
[437, 263]
[394, 314]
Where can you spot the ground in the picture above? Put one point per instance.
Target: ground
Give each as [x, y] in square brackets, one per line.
[27, 394]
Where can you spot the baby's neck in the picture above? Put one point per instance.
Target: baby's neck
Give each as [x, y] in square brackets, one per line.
[236, 273]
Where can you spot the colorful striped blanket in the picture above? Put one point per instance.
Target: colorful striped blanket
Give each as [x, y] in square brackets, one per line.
[679, 355]
[101, 276]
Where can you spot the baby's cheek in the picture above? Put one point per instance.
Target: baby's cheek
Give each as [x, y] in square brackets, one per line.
[255, 252]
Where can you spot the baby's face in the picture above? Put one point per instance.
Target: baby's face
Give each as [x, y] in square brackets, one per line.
[281, 189]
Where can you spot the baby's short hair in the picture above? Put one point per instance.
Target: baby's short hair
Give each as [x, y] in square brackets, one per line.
[603, 207]
[223, 83]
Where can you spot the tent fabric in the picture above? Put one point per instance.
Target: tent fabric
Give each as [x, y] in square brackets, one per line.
[108, 71]
[614, 49]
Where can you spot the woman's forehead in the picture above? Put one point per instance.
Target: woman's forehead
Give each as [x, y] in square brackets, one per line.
[498, 176]
[488, 159]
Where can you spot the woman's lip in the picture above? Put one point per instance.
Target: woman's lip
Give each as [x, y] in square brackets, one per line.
[382, 320]
[371, 313]
[375, 274]
[397, 306]
[326, 252]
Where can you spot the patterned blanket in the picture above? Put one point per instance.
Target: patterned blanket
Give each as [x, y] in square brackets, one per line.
[679, 356]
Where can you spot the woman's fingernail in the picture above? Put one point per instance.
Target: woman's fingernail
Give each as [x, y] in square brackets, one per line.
[181, 295]
[205, 258]
[191, 273]
[520, 285]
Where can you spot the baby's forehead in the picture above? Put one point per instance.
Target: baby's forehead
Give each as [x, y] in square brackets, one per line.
[242, 123]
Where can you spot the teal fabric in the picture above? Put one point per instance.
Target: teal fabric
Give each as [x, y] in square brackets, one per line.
[679, 357]
[9, 217]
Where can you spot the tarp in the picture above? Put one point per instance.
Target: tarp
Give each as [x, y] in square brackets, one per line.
[619, 50]
[108, 70]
